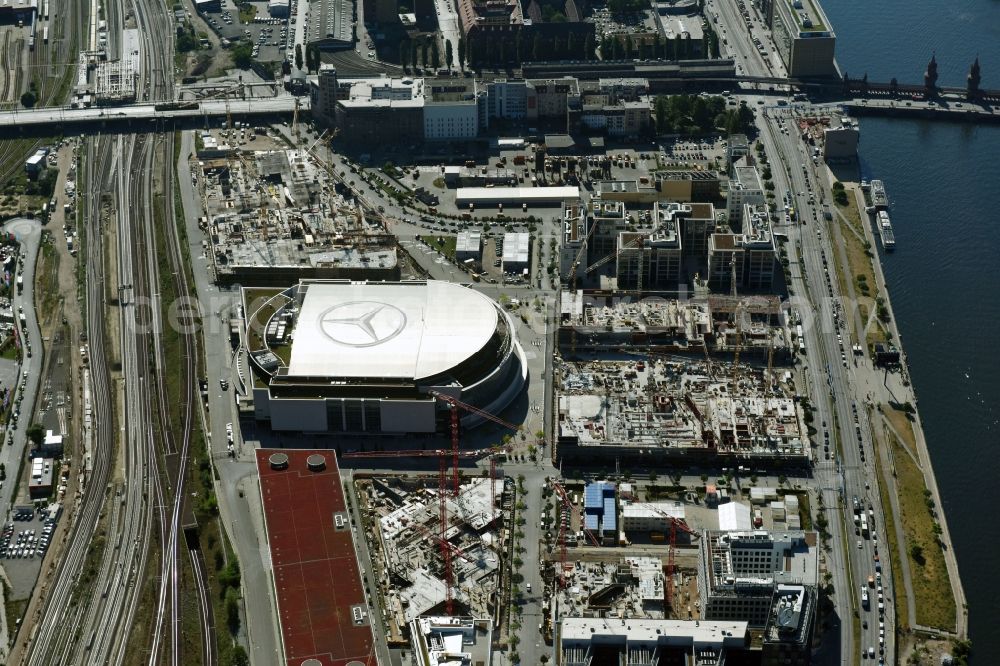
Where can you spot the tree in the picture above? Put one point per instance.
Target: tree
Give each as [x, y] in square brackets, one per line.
[463, 52]
[28, 99]
[243, 55]
[298, 56]
[232, 606]
[425, 48]
[312, 58]
[404, 54]
[449, 54]
[35, 433]
[588, 47]
[917, 553]
[435, 55]
[238, 657]
[413, 53]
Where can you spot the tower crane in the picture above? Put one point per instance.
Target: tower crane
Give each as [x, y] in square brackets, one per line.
[737, 316]
[573, 273]
[568, 505]
[674, 524]
[442, 454]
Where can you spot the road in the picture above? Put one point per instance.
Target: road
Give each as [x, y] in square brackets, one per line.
[29, 233]
[237, 489]
[831, 368]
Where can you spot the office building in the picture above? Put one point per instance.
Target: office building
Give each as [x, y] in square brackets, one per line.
[745, 187]
[804, 37]
[739, 573]
[584, 641]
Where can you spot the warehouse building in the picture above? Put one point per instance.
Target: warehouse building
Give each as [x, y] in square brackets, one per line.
[516, 257]
[531, 196]
[368, 357]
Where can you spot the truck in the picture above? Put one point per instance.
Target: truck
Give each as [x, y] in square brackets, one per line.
[864, 525]
[864, 597]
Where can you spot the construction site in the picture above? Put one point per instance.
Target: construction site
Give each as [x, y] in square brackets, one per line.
[437, 552]
[755, 326]
[275, 215]
[663, 407]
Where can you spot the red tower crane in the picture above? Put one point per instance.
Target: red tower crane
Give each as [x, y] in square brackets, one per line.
[675, 524]
[562, 531]
[442, 454]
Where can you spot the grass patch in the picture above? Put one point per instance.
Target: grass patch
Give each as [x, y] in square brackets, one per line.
[899, 599]
[445, 245]
[860, 272]
[247, 12]
[928, 572]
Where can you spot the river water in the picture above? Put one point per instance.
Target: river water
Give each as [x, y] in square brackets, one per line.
[943, 182]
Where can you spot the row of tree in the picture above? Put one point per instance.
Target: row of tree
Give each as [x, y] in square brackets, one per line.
[617, 48]
[695, 114]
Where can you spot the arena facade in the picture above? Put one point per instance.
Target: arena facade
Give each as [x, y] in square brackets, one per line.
[366, 357]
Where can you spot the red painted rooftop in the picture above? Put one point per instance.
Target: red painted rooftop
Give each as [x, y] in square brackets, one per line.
[315, 570]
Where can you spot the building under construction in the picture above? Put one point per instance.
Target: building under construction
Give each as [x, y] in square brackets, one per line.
[599, 322]
[414, 555]
[670, 408]
[275, 217]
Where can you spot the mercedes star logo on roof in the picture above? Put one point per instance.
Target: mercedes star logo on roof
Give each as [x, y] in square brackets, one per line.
[362, 323]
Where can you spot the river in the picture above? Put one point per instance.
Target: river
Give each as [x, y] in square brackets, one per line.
[944, 278]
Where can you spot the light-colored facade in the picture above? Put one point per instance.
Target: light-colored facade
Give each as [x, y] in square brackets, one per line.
[469, 245]
[804, 38]
[745, 187]
[610, 219]
[650, 516]
[759, 247]
[516, 252]
[651, 641]
[574, 241]
[739, 572]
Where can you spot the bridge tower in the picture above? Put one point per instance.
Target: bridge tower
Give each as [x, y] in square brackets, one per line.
[972, 80]
[931, 76]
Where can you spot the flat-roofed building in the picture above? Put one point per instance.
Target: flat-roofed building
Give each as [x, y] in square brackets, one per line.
[610, 218]
[469, 245]
[804, 37]
[532, 196]
[739, 572]
[690, 185]
[516, 256]
[653, 256]
[574, 241]
[633, 641]
[758, 246]
[451, 110]
[745, 187]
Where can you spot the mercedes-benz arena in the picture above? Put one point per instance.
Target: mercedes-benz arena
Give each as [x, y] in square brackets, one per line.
[341, 356]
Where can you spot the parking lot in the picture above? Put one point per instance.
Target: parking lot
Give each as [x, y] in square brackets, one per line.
[269, 36]
[23, 543]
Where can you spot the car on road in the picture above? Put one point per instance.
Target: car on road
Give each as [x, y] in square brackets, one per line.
[224, 384]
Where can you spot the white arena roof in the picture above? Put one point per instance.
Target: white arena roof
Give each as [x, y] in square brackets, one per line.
[389, 330]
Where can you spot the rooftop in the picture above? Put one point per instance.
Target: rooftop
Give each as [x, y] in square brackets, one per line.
[407, 330]
[321, 602]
